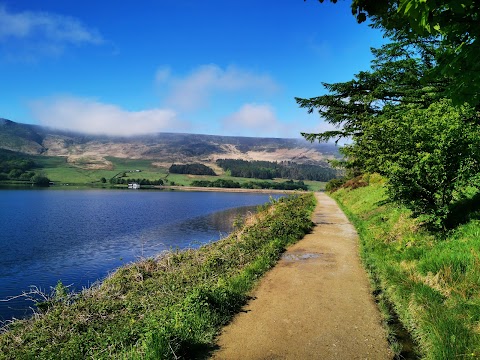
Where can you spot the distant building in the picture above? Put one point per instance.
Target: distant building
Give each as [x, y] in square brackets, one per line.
[134, 186]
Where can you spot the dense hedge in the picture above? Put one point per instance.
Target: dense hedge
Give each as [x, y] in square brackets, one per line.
[191, 169]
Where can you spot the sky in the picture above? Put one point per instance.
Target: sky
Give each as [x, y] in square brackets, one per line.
[215, 67]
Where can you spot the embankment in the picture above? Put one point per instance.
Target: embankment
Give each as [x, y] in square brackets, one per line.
[166, 308]
[430, 281]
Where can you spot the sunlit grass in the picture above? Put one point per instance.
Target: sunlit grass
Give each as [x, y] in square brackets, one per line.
[432, 281]
[61, 172]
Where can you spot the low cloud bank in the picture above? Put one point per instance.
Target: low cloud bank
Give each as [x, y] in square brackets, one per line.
[93, 117]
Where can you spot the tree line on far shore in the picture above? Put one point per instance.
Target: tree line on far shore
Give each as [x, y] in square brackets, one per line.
[265, 170]
[230, 184]
[19, 168]
[269, 170]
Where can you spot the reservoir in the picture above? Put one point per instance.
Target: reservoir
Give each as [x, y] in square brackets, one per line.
[79, 236]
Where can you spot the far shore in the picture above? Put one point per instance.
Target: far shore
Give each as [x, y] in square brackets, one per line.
[158, 187]
[231, 190]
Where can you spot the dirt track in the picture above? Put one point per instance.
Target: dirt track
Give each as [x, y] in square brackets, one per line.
[315, 304]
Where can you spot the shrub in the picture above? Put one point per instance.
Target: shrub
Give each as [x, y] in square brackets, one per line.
[334, 184]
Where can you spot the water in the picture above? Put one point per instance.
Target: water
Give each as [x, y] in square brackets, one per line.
[79, 236]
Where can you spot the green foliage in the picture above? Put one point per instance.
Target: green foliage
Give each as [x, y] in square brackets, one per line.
[401, 128]
[334, 184]
[230, 184]
[40, 180]
[431, 154]
[16, 166]
[396, 81]
[286, 185]
[19, 167]
[170, 307]
[192, 169]
[61, 291]
[455, 25]
[452, 24]
[431, 282]
[117, 181]
[270, 170]
[396, 78]
[220, 183]
[59, 294]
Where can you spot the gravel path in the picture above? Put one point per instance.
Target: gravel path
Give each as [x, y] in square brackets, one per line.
[314, 304]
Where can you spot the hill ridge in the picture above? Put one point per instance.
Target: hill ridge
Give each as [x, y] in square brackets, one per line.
[160, 147]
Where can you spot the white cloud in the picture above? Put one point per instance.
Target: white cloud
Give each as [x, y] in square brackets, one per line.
[93, 117]
[255, 120]
[44, 33]
[196, 89]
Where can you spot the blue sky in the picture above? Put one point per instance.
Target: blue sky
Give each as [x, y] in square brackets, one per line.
[211, 67]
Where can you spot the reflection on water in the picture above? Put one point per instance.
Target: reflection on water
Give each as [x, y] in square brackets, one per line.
[80, 236]
[191, 233]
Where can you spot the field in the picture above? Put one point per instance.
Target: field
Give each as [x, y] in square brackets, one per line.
[61, 172]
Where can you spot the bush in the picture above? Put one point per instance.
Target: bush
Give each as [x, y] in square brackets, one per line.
[435, 154]
[40, 180]
[192, 169]
[334, 184]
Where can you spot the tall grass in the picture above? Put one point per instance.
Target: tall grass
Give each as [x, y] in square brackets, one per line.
[431, 281]
[166, 308]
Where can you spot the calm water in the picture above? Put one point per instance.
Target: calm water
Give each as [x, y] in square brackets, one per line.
[79, 236]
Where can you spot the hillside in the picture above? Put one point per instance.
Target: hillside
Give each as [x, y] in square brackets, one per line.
[163, 149]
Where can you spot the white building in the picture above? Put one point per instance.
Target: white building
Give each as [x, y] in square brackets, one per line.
[134, 186]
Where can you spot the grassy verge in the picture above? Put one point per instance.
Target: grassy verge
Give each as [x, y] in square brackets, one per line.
[166, 308]
[431, 282]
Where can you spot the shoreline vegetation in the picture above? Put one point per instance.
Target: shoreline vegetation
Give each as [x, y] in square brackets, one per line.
[167, 307]
[232, 190]
[160, 187]
[426, 283]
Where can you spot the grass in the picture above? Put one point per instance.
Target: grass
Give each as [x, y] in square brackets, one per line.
[186, 180]
[61, 172]
[430, 281]
[166, 308]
